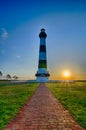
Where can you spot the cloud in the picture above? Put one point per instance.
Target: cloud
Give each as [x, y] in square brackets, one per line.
[2, 52]
[4, 34]
[18, 56]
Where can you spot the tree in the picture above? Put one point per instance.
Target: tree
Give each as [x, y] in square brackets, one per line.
[1, 74]
[8, 76]
[15, 77]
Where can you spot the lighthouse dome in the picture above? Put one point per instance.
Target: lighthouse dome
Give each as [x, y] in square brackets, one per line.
[42, 33]
[42, 30]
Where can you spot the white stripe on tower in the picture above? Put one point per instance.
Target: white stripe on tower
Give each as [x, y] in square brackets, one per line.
[42, 41]
[42, 56]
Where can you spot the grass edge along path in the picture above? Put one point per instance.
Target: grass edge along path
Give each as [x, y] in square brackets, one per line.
[12, 98]
[73, 97]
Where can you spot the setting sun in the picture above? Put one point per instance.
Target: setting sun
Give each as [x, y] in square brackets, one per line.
[67, 73]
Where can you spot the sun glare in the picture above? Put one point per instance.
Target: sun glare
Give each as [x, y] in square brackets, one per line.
[66, 73]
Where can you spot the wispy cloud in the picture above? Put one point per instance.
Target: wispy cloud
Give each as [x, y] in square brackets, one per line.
[4, 34]
[2, 52]
[18, 56]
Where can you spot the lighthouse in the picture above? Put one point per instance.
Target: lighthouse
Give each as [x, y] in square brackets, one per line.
[42, 74]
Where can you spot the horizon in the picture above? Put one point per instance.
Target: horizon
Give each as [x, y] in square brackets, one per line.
[65, 25]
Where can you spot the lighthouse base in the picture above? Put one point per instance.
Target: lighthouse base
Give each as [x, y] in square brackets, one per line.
[42, 79]
[42, 75]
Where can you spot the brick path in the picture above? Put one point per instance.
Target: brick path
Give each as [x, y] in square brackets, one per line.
[43, 112]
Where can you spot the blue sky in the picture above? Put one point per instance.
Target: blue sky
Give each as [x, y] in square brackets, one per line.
[65, 24]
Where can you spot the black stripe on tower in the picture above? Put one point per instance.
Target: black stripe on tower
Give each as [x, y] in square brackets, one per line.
[42, 64]
[42, 61]
[42, 48]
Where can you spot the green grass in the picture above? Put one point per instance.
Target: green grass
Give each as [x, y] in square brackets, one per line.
[12, 97]
[73, 97]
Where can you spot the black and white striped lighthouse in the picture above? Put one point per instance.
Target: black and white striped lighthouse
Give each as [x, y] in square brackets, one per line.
[42, 74]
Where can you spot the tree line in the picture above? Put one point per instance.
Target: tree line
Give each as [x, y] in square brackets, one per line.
[8, 76]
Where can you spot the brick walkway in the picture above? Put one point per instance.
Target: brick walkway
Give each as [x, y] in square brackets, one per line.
[43, 112]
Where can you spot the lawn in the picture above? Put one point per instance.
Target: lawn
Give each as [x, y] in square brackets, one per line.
[73, 97]
[12, 97]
